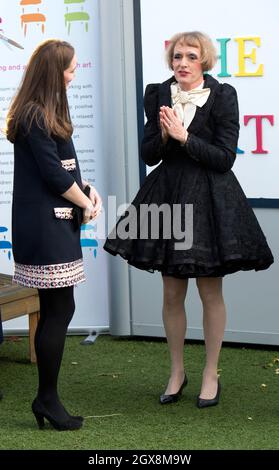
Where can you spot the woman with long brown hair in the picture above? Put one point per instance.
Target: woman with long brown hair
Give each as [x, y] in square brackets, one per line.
[49, 203]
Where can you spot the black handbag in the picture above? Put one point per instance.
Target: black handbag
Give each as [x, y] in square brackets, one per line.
[78, 211]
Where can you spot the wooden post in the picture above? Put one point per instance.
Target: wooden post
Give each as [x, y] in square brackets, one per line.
[16, 301]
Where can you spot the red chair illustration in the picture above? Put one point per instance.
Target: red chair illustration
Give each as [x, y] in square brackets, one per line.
[27, 18]
[80, 16]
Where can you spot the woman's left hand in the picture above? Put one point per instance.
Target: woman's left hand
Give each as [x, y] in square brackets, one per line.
[172, 124]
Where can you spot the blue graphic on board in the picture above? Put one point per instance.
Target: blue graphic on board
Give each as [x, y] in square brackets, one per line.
[87, 239]
[5, 245]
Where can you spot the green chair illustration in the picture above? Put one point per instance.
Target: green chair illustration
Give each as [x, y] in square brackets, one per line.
[81, 16]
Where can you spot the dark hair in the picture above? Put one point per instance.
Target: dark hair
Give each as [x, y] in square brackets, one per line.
[42, 92]
[194, 39]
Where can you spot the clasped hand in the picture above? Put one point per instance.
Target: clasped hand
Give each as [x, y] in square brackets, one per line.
[171, 125]
[93, 210]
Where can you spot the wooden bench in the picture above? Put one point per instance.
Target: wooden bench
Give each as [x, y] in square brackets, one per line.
[16, 301]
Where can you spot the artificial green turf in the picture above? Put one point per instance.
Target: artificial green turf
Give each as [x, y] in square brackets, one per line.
[115, 383]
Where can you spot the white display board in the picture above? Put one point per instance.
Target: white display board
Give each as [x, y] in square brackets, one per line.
[29, 23]
[244, 34]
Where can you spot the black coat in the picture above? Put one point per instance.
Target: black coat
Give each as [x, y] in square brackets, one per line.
[226, 236]
[44, 168]
[213, 133]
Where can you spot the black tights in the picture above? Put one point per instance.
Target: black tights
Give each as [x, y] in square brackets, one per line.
[57, 307]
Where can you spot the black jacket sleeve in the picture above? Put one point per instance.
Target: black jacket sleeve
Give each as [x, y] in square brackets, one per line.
[152, 147]
[44, 150]
[220, 154]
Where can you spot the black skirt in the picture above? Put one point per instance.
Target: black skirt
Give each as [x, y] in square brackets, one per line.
[222, 234]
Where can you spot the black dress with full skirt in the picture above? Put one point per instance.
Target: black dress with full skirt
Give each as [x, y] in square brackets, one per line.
[226, 235]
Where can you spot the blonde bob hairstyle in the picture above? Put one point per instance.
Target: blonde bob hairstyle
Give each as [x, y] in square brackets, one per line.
[193, 39]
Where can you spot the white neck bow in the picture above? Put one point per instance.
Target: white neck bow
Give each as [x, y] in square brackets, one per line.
[197, 97]
[185, 103]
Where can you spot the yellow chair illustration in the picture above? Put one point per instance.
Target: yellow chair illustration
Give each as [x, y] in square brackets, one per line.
[80, 16]
[27, 18]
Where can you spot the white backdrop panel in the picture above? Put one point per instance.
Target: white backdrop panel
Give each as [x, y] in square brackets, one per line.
[77, 23]
[258, 95]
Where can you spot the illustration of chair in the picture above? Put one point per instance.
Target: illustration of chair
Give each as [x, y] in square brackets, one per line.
[80, 16]
[5, 244]
[91, 244]
[27, 18]
[30, 2]
[87, 239]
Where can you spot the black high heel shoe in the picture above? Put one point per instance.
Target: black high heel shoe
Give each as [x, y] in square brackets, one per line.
[204, 402]
[79, 418]
[40, 413]
[173, 397]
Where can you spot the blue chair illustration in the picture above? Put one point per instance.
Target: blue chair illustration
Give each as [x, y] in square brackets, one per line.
[90, 243]
[5, 244]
